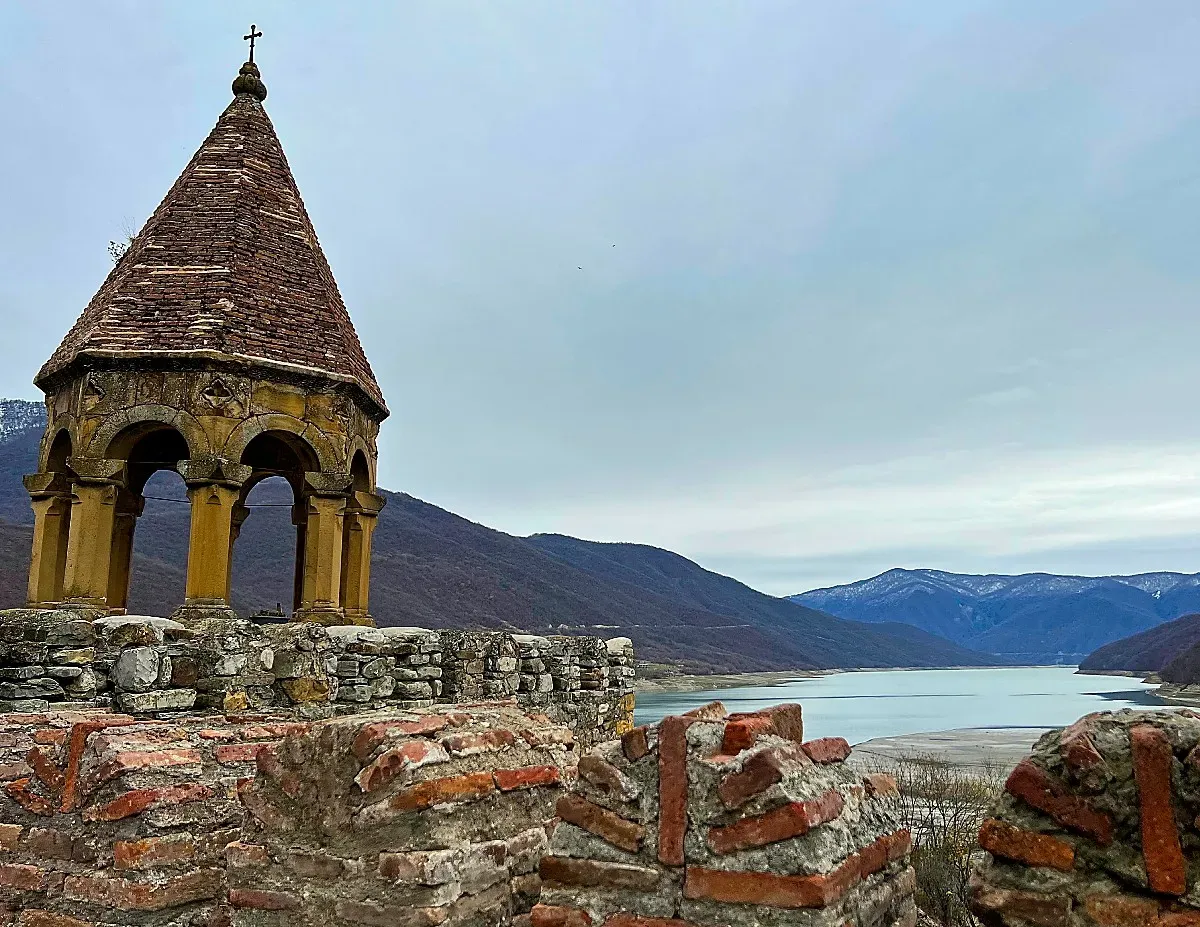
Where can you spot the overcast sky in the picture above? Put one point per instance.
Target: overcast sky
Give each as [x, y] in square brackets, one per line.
[894, 283]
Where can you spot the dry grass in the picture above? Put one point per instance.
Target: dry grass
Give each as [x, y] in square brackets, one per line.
[943, 806]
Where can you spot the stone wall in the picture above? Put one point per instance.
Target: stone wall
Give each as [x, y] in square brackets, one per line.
[713, 820]
[155, 666]
[374, 819]
[1098, 827]
[108, 820]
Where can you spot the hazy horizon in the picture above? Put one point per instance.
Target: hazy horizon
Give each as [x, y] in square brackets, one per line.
[801, 292]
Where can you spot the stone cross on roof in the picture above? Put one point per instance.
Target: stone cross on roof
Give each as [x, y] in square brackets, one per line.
[252, 36]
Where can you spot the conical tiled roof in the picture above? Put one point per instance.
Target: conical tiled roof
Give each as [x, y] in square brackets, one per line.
[228, 266]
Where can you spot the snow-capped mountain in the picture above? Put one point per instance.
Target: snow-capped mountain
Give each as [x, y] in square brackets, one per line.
[18, 415]
[1034, 617]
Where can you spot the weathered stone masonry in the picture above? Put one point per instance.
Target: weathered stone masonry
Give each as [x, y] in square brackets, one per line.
[1099, 826]
[151, 666]
[714, 820]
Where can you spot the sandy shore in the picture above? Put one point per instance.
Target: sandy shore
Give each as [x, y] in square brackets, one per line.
[723, 681]
[998, 749]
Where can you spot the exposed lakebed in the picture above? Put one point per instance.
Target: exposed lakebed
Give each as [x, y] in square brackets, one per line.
[865, 705]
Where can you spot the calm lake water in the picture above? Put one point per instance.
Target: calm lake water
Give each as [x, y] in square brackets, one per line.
[860, 706]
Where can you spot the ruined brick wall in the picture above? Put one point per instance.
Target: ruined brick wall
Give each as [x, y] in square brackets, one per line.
[713, 820]
[1098, 827]
[154, 666]
[437, 817]
[107, 820]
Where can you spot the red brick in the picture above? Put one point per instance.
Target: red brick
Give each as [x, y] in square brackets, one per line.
[1178, 917]
[45, 769]
[827, 749]
[431, 792]
[1023, 846]
[591, 873]
[1076, 746]
[1111, 910]
[743, 733]
[9, 835]
[138, 800]
[239, 855]
[548, 737]
[125, 895]
[607, 778]
[152, 852]
[238, 753]
[28, 799]
[49, 843]
[765, 888]
[32, 918]
[483, 742]
[263, 900]
[1039, 790]
[76, 742]
[574, 809]
[24, 878]
[1012, 906]
[758, 773]
[526, 777]
[133, 760]
[635, 744]
[391, 763]
[713, 711]
[1152, 761]
[786, 721]
[374, 734]
[546, 915]
[880, 785]
[672, 788]
[790, 820]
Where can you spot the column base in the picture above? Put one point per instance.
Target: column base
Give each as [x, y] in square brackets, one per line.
[194, 614]
[331, 617]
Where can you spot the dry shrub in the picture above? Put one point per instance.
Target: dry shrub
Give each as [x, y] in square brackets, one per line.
[943, 806]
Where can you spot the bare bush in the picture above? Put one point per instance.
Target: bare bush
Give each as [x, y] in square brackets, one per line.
[943, 806]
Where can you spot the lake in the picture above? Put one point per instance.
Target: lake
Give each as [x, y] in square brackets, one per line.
[863, 705]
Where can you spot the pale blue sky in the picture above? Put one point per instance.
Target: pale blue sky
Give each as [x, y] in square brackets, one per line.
[895, 283]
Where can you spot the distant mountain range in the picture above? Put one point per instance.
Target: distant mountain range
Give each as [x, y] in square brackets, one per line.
[435, 569]
[1032, 618]
[1148, 652]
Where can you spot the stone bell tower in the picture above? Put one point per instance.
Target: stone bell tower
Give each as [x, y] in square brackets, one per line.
[218, 347]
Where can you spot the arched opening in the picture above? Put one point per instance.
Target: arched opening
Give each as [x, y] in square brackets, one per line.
[60, 451]
[151, 523]
[266, 568]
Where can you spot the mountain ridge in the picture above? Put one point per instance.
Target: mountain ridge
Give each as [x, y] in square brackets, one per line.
[436, 569]
[1035, 617]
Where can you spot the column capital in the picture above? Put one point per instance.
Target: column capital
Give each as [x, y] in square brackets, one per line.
[99, 470]
[366, 503]
[43, 485]
[328, 482]
[208, 469]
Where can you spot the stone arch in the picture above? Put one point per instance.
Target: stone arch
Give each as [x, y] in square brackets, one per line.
[361, 476]
[59, 447]
[326, 454]
[59, 426]
[107, 441]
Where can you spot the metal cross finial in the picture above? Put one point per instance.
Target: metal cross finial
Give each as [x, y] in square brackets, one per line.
[252, 36]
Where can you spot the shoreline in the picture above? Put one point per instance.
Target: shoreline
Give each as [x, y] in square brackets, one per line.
[687, 682]
[692, 683]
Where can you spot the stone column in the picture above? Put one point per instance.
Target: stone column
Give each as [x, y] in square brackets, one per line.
[50, 496]
[362, 515]
[325, 506]
[129, 508]
[237, 519]
[214, 491]
[96, 490]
